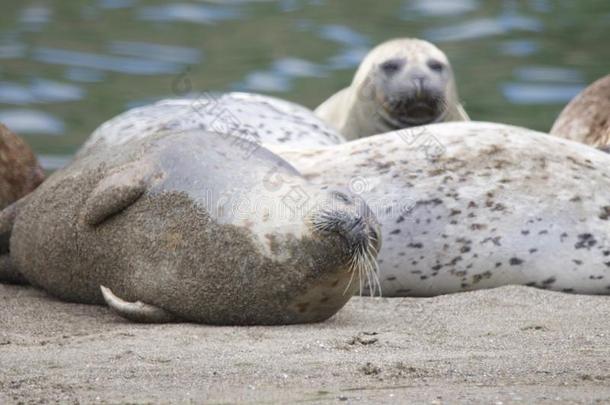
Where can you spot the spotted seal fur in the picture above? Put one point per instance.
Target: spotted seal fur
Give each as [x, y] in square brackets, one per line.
[253, 117]
[466, 206]
[183, 226]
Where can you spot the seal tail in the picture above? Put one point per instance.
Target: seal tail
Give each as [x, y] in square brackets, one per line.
[8, 272]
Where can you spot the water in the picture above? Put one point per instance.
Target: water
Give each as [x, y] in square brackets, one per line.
[67, 66]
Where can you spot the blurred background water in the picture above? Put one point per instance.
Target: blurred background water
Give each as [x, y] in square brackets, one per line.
[68, 65]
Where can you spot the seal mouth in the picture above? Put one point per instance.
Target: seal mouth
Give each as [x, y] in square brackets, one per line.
[363, 243]
[401, 112]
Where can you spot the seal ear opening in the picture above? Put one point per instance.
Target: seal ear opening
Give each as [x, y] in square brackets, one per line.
[115, 193]
[136, 311]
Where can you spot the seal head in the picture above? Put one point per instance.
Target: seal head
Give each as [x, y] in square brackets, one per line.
[401, 83]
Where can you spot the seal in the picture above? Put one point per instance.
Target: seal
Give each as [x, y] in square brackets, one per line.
[161, 234]
[586, 118]
[20, 172]
[466, 206]
[401, 83]
[253, 117]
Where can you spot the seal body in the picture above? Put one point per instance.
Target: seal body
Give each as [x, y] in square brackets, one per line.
[465, 206]
[586, 118]
[400, 84]
[184, 227]
[20, 172]
[255, 118]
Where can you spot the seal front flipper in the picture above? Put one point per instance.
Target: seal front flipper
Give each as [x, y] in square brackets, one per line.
[115, 193]
[8, 273]
[136, 311]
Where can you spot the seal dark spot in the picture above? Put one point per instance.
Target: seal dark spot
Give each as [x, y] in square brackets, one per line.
[596, 277]
[416, 245]
[495, 240]
[465, 249]
[472, 204]
[498, 264]
[478, 277]
[454, 212]
[576, 198]
[391, 278]
[525, 232]
[605, 212]
[585, 241]
[303, 306]
[400, 219]
[533, 250]
[423, 277]
[568, 290]
[577, 262]
[395, 232]
[478, 227]
[543, 232]
[563, 237]
[436, 267]
[549, 281]
[515, 261]
[532, 284]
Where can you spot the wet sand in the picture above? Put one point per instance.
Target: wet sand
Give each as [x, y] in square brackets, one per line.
[507, 345]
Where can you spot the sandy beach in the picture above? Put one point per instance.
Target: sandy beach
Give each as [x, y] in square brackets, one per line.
[507, 345]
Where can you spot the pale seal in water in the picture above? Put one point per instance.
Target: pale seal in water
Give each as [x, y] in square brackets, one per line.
[487, 205]
[401, 83]
[20, 172]
[254, 117]
[185, 227]
[586, 118]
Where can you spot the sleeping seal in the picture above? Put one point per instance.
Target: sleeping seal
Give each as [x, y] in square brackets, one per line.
[253, 117]
[183, 226]
[465, 206]
[401, 83]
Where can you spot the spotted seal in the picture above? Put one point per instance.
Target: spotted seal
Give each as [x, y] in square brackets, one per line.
[401, 83]
[181, 226]
[586, 118]
[20, 172]
[254, 117]
[465, 206]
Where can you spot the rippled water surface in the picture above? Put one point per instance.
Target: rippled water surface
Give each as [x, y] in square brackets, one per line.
[68, 65]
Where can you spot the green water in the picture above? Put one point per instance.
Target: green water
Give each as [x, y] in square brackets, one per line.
[67, 66]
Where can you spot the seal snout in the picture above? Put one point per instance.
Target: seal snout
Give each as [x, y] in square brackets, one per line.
[354, 221]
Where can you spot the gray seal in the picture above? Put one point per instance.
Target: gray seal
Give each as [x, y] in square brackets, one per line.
[465, 206]
[401, 83]
[184, 226]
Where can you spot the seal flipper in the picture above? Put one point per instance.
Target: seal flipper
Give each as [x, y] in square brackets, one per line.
[8, 273]
[136, 311]
[115, 193]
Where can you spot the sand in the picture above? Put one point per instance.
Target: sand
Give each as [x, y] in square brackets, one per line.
[507, 345]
